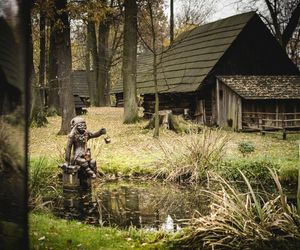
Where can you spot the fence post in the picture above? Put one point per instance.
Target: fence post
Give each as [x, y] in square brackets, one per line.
[283, 130]
[298, 188]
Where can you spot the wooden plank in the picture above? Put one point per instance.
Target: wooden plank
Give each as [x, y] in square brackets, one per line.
[218, 101]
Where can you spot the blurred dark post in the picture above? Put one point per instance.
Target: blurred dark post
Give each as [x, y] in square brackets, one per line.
[14, 89]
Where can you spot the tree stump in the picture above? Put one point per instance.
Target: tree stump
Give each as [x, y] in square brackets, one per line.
[177, 123]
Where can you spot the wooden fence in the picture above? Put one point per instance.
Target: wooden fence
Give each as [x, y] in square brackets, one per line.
[270, 122]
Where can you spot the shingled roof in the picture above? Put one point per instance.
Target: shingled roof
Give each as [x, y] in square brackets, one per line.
[264, 87]
[191, 57]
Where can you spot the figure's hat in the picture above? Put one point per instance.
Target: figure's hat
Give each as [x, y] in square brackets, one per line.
[76, 120]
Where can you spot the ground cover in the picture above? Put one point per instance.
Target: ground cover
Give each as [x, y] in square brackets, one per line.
[133, 150]
[48, 232]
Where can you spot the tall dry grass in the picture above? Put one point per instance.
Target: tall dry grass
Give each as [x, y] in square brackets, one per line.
[191, 157]
[244, 221]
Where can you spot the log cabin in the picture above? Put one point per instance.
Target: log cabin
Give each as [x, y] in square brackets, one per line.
[229, 73]
[80, 91]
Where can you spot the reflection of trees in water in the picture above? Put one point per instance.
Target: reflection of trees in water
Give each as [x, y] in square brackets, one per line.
[119, 207]
[147, 205]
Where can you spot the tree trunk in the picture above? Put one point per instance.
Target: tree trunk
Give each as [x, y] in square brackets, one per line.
[108, 85]
[129, 62]
[38, 116]
[154, 51]
[42, 67]
[102, 57]
[92, 50]
[64, 67]
[171, 21]
[53, 98]
[291, 26]
[156, 120]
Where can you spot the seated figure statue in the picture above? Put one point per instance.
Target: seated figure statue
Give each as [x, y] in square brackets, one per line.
[81, 155]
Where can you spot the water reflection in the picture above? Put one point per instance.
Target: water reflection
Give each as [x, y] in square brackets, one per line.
[152, 206]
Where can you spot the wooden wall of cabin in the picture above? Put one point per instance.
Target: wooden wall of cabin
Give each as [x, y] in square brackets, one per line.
[269, 109]
[227, 107]
[271, 106]
[176, 102]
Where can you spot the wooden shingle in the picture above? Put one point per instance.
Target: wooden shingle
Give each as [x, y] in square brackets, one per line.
[189, 60]
[264, 87]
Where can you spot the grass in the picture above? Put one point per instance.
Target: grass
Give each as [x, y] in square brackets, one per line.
[132, 146]
[47, 232]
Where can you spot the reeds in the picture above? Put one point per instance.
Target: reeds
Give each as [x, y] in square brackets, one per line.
[244, 221]
[191, 158]
[42, 182]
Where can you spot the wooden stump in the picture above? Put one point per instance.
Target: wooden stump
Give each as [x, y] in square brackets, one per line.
[74, 177]
[176, 123]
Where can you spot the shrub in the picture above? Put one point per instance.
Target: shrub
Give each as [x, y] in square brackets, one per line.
[289, 175]
[246, 148]
[190, 159]
[256, 170]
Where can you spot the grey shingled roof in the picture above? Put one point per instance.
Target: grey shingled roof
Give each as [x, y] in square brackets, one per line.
[192, 56]
[264, 87]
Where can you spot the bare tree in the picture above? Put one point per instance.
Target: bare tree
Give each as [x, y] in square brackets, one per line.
[193, 12]
[152, 34]
[104, 37]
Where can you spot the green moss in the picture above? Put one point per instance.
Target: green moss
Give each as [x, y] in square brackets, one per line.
[127, 166]
[47, 232]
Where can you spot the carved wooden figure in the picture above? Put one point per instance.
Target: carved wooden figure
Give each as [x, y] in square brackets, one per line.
[79, 167]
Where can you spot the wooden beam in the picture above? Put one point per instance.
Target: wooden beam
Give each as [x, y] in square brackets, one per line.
[239, 114]
[218, 101]
[277, 113]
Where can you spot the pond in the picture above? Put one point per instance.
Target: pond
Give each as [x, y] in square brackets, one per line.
[143, 204]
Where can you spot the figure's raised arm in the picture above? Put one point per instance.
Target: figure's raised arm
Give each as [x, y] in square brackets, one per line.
[102, 131]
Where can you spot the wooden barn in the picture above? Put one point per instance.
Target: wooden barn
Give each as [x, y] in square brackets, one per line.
[223, 73]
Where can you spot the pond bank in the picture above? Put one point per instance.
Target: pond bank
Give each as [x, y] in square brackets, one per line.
[48, 232]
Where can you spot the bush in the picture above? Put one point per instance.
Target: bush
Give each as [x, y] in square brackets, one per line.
[246, 148]
[289, 175]
[256, 170]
